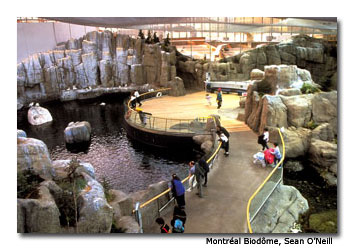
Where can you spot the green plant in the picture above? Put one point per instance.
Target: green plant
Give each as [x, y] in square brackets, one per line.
[166, 41]
[311, 125]
[308, 88]
[148, 39]
[106, 187]
[27, 184]
[66, 200]
[155, 38]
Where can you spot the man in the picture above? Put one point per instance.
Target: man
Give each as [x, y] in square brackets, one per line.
[199, 175]
[137, 97]
[219, 98]
[225, 141]
[205, 166]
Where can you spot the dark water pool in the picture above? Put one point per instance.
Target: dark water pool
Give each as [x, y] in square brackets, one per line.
[125, 164]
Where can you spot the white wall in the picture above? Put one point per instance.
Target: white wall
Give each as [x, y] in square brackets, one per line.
[40, 37]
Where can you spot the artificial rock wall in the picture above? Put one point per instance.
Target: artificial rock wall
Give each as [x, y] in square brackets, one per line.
[98, 59]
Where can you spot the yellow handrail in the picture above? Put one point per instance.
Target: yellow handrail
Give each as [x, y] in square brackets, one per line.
[184, 180]
[156, 91]
[264, 182]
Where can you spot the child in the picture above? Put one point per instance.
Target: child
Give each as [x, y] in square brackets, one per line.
[259, 158]
[163, 226]
[276, 153]
[208, 98]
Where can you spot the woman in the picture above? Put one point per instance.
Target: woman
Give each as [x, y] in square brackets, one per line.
[178, 190]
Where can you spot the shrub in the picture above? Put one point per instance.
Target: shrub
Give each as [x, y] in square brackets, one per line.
[308, 88]
[311, 125]
[27, 184]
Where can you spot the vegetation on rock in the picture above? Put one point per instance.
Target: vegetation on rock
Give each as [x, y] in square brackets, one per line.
[27, 184]
[308, 88]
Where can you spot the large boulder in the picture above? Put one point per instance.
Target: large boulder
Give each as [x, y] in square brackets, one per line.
[137, 74]
[177, 87]
[280, 211]
[90, 65]
[38, 215]
[324, 108]
[21, 133]
[257, 74]
[274, 113]
[297, 141]
[323, 156]
[95, 213]
[299, 109]
[77, 132]
[128, 224]
[38, 115]
[33, 155]
[323, 132]
[60, 169]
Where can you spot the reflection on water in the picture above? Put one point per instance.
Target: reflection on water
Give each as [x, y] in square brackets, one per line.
[126, 165]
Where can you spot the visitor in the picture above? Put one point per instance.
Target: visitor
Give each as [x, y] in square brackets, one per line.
[164, 228]
[276, 153]
[137, 97]
[219, 98]
[142, 115]
[178, 220]
[177, 189]
[259, 158]
[191, 175]
[205, 166]
[264, 139]
[132, 100]
[199, 175]
[225, 141]
[208, 98]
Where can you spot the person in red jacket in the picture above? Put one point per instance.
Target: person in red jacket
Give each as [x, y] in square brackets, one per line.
[165, 229]
[269, 156]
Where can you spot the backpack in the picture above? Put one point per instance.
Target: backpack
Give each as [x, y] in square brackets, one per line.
[178, 226]
[260, 139]
[268, 156]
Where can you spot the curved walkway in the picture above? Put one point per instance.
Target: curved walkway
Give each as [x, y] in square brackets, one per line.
[232, 182]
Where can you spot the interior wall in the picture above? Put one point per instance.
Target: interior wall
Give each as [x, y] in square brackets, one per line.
[39, 37]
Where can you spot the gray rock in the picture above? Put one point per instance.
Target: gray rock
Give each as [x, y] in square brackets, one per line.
[33, 155]
[257, 74]
[21, 133]
[298, 109]
[199, 139]
[323, 132]
[106, 73]
[38, 215]
[90, 65]
[128, 225]
[177, 87]
[137, 74]
[280, 211]
[207, 147]
[324, 108]
[77, 132]
[59, 167]
[122, 204]
[290, 92]
[294, 166]
[297, 141]
[95, 213]
[274, 113]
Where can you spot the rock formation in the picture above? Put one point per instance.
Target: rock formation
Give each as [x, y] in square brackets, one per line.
[38, 115]
[280, 211]
[97, 60]
[77, 132]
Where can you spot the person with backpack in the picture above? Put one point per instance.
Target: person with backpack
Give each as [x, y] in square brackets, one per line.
[224, 136]
[178, 190]
[263, 139]
[205, 166]
[164, 228]
[178, 220]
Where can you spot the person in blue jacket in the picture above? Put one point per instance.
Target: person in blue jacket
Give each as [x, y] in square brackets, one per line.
[178, 190]
[219, 98]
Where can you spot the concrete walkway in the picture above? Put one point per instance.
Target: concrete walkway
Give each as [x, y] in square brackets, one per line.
[230, 185]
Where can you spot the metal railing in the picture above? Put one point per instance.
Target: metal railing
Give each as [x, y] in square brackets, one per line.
[265, 190]
[149, 121]
[138, 207]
